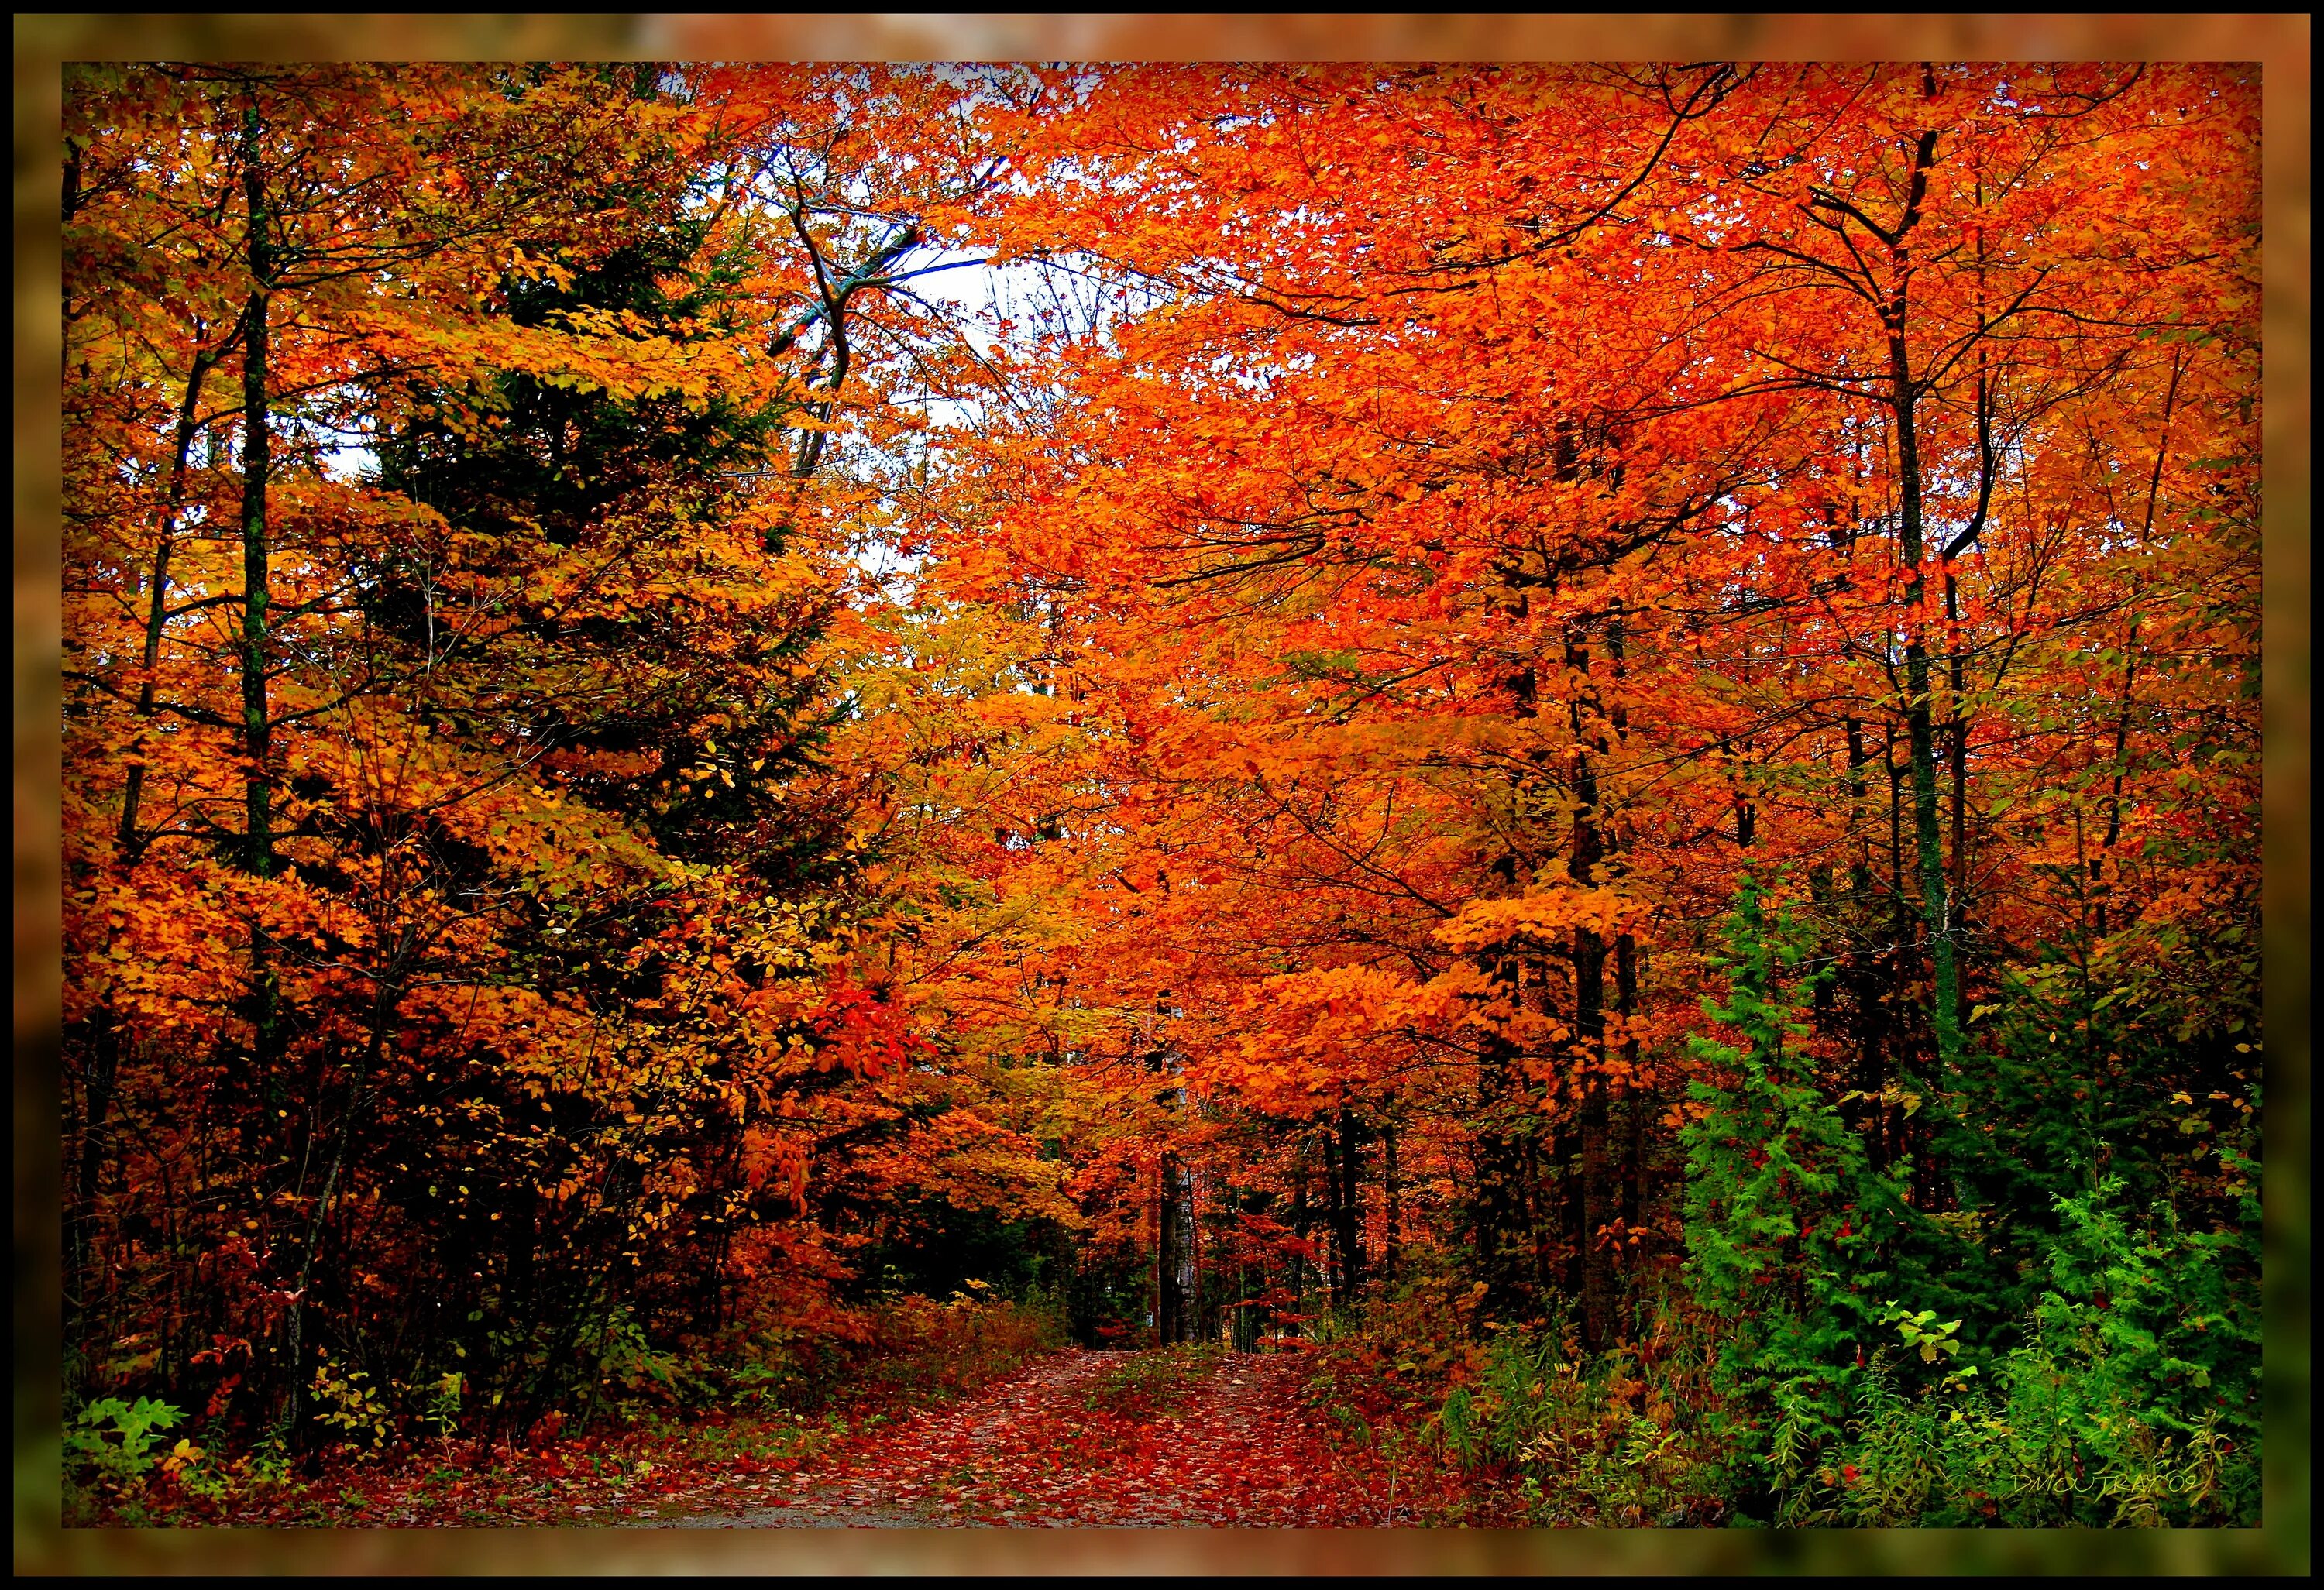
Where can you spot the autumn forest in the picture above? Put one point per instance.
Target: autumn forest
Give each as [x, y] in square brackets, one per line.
[1359, 795]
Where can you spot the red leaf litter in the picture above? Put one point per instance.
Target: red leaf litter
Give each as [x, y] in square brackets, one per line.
[1052, 1447]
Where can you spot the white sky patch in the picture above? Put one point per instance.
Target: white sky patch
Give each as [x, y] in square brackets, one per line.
[349, 463]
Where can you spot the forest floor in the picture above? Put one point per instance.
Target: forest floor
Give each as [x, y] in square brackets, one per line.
[1082, 1439]
[1161, 1438]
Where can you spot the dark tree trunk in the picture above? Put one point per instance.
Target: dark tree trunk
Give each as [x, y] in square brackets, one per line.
[1392, 1189]
[1347, 1205]
[1174, 1254]
[1919, 709]
[1593, 1210]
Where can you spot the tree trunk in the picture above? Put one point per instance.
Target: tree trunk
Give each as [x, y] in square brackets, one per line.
[1920, 716]
[157, 606]
[1636, 1098]
[258, 845]
[1511, 1245]
[1346, 1207]
[2103, 887]
[104, 1050]
[1866, 984]
[1592, 1210]
[1392, 1188]
[1639, 1099]
[1174, 1254]
[1300, 1225]
[258, 856]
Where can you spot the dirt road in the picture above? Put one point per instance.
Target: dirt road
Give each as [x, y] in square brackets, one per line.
[1082, 1439]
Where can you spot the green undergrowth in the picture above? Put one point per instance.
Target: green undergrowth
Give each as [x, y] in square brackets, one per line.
[1488, 1423]
[1828, 1354]
[1518, 1426]
[1156, 1383]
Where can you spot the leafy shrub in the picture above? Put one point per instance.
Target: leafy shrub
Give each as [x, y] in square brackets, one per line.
[113, 1440]
[346, 1401]
[1630, 1436]
[113, 1453]
[2133, 1401]
[598, 1363]
[438, 1402]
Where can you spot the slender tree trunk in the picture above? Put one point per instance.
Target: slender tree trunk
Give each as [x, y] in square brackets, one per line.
[1957, 757]
[1824, 894]
[2104, 888]
[1639, 1099]
[1552, 1211]
[1511, 1241]
[1392, 1188]
[1920, 716]
[258, 845]
[374, 1046]
[1199, 1330]
[258, 856]
[1508, 1256]
[1867, 986]
[1592, 1210]
[1927, 846]
[1185, 1280]
[1301, 1223]
[1174, 1254]
[104, 1050]
[1161, 1225]
[1346, 1211]
[157, 606]
[2100, 886]
[1859, 868]
[1636, 1098]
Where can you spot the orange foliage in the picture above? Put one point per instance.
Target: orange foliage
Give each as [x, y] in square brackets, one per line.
[1246, 735]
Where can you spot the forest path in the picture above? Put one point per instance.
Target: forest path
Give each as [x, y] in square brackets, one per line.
[1077, 1438]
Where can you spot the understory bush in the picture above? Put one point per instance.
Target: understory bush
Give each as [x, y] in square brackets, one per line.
[2134, 1398]
[1828, 1352]
[1514, 1424]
